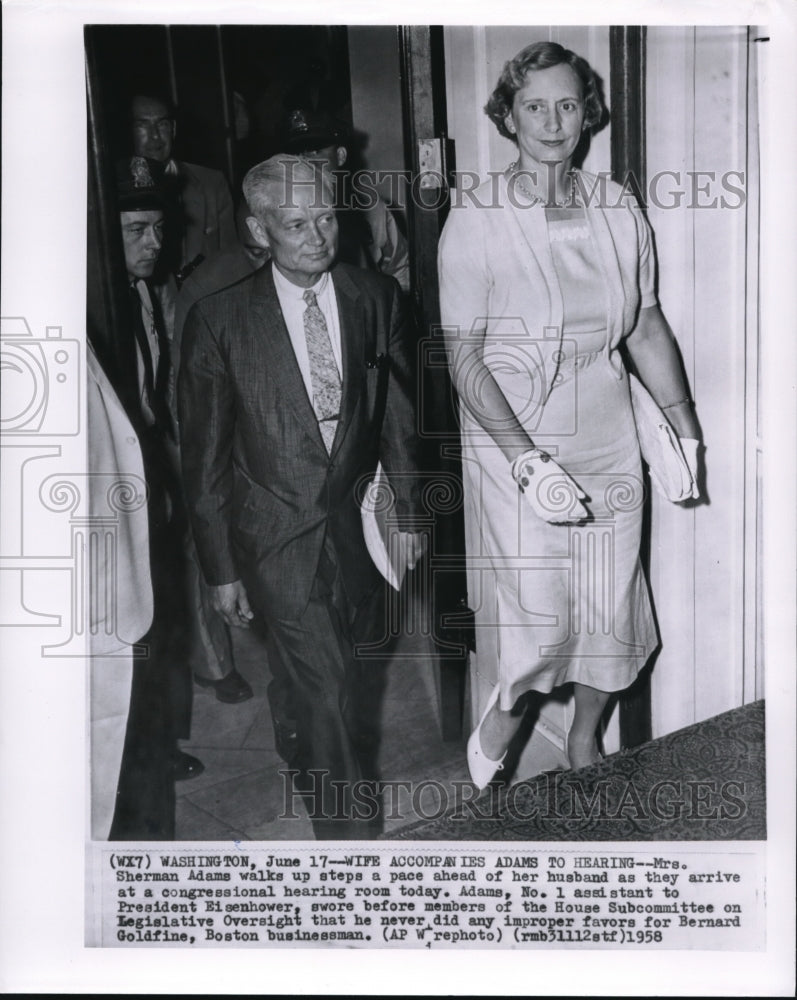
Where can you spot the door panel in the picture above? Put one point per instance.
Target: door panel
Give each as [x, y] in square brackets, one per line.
[703, 560]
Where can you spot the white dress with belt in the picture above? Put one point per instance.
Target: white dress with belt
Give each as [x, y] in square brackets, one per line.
[556, 290]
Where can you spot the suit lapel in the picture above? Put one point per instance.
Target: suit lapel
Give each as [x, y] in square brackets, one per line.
[268, 319]
[352, 336]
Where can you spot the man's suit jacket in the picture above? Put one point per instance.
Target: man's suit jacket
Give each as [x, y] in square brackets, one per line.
[262, 490]
[220, 270]
[208, 215]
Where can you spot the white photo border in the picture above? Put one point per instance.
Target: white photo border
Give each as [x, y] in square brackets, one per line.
[42, 786]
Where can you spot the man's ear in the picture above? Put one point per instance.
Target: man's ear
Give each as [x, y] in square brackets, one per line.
[342, 156]
[258, 231]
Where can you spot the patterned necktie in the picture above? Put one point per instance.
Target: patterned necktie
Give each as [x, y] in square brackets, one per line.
[324, 375]
[156, 382]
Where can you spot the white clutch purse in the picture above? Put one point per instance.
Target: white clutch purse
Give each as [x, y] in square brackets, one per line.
[660, 446]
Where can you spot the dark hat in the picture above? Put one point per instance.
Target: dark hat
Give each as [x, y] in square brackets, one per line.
[304, 130]
[139, 185]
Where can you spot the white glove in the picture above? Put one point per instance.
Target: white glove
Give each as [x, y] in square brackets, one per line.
[689, 447]
[550, 492]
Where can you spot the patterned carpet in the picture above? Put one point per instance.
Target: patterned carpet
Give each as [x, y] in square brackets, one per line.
[705, 782]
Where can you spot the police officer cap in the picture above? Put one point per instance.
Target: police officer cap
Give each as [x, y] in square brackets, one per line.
[304, 130]
[139, 185]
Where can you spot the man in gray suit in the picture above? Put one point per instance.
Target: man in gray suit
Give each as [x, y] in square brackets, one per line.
[294, 384]
[206, 221]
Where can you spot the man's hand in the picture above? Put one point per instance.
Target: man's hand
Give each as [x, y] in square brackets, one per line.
[414, 545]
[231, 602]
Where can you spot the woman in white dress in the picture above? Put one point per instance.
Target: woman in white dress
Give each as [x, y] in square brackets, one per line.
[544, 271]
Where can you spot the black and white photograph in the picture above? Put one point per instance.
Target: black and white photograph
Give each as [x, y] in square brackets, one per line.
[398, 493]
[561, 610]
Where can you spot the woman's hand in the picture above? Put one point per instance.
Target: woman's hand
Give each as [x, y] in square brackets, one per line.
[550, 492]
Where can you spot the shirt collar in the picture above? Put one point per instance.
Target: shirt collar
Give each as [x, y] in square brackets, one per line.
[290, 290]
[140, 285]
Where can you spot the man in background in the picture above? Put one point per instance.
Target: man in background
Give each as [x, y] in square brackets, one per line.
[198, 225]
[160, 705]
[205, 221]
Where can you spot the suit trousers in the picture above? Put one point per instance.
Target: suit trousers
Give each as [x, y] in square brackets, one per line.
[317, 652]
[211, 646]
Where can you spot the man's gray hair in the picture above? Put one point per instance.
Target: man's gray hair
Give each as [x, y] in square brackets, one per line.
[269, 184]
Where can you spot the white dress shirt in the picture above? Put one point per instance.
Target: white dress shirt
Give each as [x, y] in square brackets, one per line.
[293, 306]
[375, 531]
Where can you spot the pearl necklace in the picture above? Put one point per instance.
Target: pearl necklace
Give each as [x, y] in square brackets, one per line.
[568, 202]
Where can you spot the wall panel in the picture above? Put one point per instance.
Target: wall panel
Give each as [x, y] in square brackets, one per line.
[697, 122]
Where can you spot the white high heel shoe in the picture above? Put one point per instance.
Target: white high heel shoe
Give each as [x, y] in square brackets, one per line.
[482, 769]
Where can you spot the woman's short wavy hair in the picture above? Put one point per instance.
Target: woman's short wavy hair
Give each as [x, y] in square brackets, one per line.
[543, 55]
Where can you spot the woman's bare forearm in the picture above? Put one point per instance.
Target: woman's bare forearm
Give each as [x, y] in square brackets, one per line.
[481, 395]
[656, 357]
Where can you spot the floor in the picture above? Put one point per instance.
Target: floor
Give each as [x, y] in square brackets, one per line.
[706, 782]
[242, 794]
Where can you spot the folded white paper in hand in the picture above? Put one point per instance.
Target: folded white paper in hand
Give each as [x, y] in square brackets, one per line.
[386, 545]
